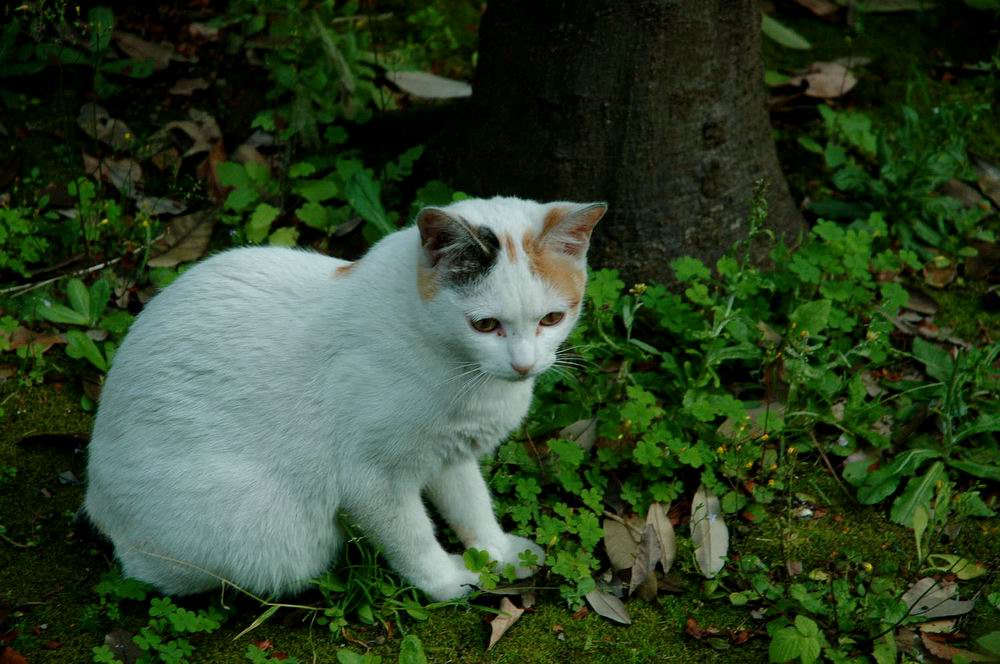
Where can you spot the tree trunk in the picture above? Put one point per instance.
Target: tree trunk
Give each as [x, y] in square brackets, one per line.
[656, 106]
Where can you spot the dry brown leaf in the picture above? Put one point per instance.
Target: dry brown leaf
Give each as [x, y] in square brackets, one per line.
[985, 262]
[96, 122]
[188, 86]
[708, 532]
[202, 133]
[22, 336]
[620, 543]
[647, 554]
[963, 193]
[185, 239]
[246, 153]
[502, 622]
[203, 31]
[937, 626]
[121, 644]
[939, 277]
[826, 80]
[988, 177]
[157, 205]
[935, 599]
[921, 303]
[138, 48]
[124, 174]
[609, 606]
[664, 530]
[948, 652]
[819, 7]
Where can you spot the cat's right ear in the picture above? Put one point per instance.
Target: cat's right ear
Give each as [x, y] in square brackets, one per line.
[436, 232]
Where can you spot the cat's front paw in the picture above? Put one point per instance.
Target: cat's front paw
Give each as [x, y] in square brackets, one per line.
[450, 583]
[508, 552]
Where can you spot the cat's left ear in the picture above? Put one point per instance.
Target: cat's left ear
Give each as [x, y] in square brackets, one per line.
[567, 227]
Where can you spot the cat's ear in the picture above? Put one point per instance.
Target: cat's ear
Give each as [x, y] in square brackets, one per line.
[443, 234]
[567, 227]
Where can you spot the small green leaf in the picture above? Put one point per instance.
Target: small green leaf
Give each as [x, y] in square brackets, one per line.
[921, 517]
[231, 174]
[284, 237]
[314, 215]
[918, 493]
[317, 191]
[240, 199]
[411, 650]
[782, 34]
[806, 625]
[936, 360]
[301, 169]
[100, 295]
[260, 222]
[786, 645]
[362, 194]
[811, 317]
[59, 313]
[79, 297]
[80, 346]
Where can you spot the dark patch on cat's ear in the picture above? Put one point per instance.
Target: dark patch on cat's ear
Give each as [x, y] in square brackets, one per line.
[567, 228]
[461, 252]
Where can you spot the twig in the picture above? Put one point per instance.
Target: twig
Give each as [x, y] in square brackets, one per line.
[13, 543]
[24, 288]
[829, 466]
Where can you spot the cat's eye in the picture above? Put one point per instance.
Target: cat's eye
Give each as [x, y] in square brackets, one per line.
[485, 325]
[552, 318]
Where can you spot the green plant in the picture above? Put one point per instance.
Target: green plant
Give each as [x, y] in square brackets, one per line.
[899, 173]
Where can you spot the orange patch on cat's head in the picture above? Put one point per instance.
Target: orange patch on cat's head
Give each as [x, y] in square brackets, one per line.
[427, 282]
[561, 272]
[508, 245]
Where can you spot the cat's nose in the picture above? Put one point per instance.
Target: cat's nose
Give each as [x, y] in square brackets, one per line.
[522, 369]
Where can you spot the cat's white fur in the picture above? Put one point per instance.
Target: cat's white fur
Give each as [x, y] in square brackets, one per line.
[266, 390]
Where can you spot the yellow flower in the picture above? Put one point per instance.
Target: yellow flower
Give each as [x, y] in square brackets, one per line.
[721, 449]
[749, 464]
[765, 437]
[638, 289]
[104, 221]
[792, 450]
[770, 482]
[774, 466]
[867, 567]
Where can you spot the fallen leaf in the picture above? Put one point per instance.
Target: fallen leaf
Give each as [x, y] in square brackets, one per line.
[11, 656]
[96, 122]
[985, 262]
[609, 606]
[935, 599]
[204, 31]
[939, 277]
[22, 336]
[202, 132]
[620, 543]
[937, 626]
[121, 644]
[921, 303]
[988, 178]
[124, 174]
[708, 532]
[502, 622]
[185, 239]
[819, 7]
[826, 80]
[647, 554]
[138, 48]
[664, 530]
[949, 652]
[188, 86]
[695, 630]
[154, 206]
[963, 568]
[963, 193]
[793, 567]
[429, 86]
[582, 432]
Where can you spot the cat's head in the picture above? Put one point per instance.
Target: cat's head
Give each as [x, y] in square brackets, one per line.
[504, 279]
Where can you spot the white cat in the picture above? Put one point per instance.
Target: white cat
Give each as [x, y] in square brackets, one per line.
[267, 389]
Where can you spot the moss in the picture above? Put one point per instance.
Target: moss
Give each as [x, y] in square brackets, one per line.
[52, 582]
[963, 310]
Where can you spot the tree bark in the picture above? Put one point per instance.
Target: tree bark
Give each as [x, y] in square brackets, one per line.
[656, 106]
